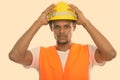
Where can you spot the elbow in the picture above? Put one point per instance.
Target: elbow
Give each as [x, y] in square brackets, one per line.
[10, 56]
[112, 55]
[14, 57]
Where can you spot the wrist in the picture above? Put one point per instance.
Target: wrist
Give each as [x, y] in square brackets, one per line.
[84, 23]
[39, 22]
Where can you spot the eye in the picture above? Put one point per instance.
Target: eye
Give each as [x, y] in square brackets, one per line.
[56, 27]
[67, 26]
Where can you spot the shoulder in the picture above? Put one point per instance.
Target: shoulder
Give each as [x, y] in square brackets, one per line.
[91, 47]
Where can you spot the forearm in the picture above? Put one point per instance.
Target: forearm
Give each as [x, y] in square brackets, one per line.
[24, 41]
[19, 53]
[104, 51]
[105, 48]
[22, 44]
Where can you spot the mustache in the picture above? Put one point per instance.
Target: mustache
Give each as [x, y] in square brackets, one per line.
[61, 35]
[58, 36]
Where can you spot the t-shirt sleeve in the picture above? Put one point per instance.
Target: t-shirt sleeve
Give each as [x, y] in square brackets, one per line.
[93, 61]
[35, 62]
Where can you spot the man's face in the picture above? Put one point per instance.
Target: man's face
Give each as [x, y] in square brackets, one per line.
[62, 30]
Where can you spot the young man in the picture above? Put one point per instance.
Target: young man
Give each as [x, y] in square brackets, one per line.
[65, 60]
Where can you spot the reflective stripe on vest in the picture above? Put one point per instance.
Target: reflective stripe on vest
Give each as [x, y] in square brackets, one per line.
[76, 68]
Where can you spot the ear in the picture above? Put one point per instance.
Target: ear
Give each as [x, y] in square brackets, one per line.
[50, 27]
[74, 26]
[50, 24]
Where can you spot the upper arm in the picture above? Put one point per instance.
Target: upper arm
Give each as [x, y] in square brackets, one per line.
[27, 60]
[98, 57]
[35, 58]
[22, 58]
[93, 59]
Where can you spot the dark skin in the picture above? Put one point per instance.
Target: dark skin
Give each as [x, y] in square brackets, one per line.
[102, 53]
[62, 30]
[22, 55]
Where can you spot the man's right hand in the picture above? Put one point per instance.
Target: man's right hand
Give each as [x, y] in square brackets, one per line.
[43, 17]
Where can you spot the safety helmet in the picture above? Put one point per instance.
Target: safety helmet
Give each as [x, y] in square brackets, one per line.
[62, 12]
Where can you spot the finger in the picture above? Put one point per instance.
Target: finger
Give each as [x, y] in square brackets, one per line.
[75, 8]
[51, 7]
[72, 6]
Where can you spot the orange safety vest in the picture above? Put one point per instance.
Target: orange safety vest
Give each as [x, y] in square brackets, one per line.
[76, 68]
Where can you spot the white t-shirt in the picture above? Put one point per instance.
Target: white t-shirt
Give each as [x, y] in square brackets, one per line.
[63, 57]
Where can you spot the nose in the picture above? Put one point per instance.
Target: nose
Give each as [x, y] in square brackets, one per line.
[61, 30]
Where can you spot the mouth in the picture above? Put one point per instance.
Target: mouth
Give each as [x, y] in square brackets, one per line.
[62, 37]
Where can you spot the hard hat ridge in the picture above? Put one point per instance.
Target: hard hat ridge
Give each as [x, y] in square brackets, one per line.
[62, 12]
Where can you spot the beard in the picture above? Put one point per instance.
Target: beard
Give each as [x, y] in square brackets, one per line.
[62, 39]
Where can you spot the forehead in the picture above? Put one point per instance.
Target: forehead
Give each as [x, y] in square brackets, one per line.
[62, 22]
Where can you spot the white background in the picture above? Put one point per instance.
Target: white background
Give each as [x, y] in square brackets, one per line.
[16, 16]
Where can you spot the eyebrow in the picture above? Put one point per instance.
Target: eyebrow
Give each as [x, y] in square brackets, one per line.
[59, 25]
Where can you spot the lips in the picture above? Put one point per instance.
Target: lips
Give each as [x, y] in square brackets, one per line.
[62, 36]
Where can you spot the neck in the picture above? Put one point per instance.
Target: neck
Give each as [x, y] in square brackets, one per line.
[64, 47]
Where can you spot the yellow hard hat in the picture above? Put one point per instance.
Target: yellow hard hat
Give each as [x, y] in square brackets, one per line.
[62, 12]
